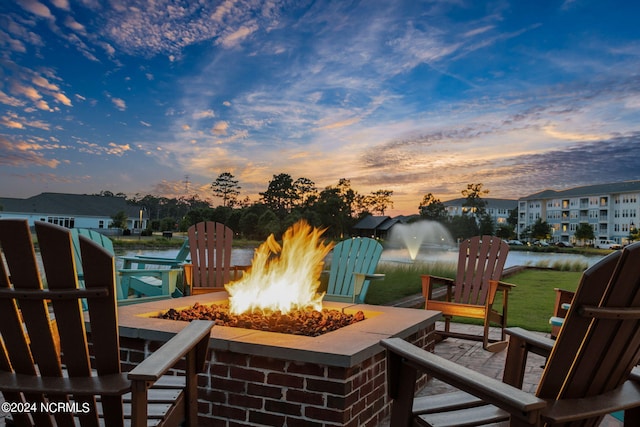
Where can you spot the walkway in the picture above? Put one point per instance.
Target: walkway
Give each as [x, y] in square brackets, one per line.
[472, 355]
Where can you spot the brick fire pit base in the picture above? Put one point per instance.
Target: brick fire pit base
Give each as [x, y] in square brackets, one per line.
[256, 378]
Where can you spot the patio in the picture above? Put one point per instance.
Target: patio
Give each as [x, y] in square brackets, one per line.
[471, 355]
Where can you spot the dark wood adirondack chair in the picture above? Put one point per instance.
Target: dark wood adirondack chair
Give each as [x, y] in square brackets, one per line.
[210, 269]
[590, 371]
[353, 266]
[473, 292]
[47, 357]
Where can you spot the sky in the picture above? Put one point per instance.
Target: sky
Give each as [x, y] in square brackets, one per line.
[160, 97]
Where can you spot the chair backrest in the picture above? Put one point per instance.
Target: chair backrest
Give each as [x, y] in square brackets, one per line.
[599, 342]
[95, 236]
[356, 255]
[184, 252]
[37, 345]
[480, 259]
[210, 245]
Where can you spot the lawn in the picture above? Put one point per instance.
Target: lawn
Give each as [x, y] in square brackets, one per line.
[530, 302]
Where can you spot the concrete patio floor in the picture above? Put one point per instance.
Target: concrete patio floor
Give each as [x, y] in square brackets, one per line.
[472, 355]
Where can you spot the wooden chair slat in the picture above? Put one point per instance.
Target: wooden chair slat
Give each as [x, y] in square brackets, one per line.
[588, 372]
[39, 339]
[481, 260]
[352, 257]
[211, 245]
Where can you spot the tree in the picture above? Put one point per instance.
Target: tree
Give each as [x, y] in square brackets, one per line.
[474, 202]
[305, 191]
[584, 231]
[634, 232]
[119, 220]
[280, 195]
[226, 187]
[541, 229]
[432, 209]
[380, 200]
[487, 227]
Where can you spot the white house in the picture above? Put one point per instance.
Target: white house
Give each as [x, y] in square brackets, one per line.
[73, 210]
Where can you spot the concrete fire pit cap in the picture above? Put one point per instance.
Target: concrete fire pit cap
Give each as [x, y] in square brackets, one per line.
[345, 347]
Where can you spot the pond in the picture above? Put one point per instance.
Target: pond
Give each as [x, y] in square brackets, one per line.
[243, 256]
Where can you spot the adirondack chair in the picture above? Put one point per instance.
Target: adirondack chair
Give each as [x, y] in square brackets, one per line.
[590, 370]
[561, 306]
[141, 261]
[210, 269]
[353, 264]
[47, 358]
[148, 284]
[473, 292]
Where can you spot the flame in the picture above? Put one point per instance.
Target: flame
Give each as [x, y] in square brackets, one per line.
[283, 278]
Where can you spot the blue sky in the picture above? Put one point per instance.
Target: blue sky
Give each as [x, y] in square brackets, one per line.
[411, 96]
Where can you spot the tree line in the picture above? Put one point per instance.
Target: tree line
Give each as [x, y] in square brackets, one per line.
[337, 208]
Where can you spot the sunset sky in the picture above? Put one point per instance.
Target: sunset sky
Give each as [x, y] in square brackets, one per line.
[160, 97]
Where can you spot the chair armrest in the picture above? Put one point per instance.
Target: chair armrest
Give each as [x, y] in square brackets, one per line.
[446, 280]
[154, 366]
[536, 343]
[142, 260]
[146, 271]
[513, 400]
[521, 343]
[566, 410]
[427, 285]
[504, 286]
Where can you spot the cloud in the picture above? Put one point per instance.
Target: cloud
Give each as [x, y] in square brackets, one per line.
[203, 114]
[235, 37]
[61, 4]
[36, 8]
[220, 128]
[119, 103]
[117, 149]
[18, 153]
[9, 100]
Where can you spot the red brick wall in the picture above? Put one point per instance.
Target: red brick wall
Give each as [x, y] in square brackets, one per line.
[241, 390]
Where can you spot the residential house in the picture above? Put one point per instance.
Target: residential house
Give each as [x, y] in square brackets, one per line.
[73, 210]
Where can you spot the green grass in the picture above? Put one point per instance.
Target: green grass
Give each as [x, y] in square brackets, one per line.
[402, 280]
[530, 302]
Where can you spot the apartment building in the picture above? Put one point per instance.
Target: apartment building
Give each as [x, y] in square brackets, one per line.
[498, 209]
[611, 210]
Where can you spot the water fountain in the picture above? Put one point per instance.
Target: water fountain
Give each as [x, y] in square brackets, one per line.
[421, 234]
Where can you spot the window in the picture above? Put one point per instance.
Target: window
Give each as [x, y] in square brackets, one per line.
[63, 221]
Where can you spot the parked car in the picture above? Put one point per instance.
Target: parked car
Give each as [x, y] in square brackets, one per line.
[514, 242]
[564, 245]
[607, 244]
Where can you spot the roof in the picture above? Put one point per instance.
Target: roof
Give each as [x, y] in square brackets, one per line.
[370, 222]
[491, 202]
[381, 223]
[69, 204]
[588, 190]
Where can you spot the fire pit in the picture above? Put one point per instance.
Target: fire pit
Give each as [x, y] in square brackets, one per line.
[263, 378]
[266, 378]
[311, 323]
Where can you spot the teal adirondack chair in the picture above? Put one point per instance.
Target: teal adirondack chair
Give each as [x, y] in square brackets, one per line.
[353, 264]
[147, 284]
[141, 261]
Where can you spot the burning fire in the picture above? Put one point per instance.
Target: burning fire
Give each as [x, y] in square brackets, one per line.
[283, 278]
